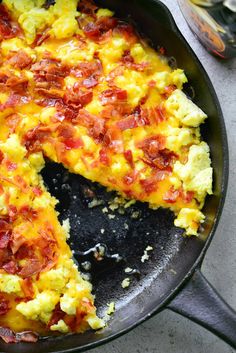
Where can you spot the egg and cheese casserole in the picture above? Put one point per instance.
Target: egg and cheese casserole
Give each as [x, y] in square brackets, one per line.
[80, 87]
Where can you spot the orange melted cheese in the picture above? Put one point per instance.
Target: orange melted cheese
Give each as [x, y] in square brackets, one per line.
[98, 99]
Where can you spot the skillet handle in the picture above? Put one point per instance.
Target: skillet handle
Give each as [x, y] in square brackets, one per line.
[199, 302]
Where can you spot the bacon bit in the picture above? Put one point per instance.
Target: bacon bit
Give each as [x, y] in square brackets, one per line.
[118, 71]
[129, 157]
[103, 156]
[21, 183]
[152, 84]
[159, 114]
[98, 29]
[139, 118]
[12, 211]
[37, 191]
[8, 29]
[168, 91]
[17, 240]
[90, 82]
[113, 139]
[11, 267]
[111, 96]
[49, 73]
[26, 251]
[162, 51]
[34, 138]
[77, 97]
[171, 196]
[5, 237]
[40, 38]
[1, 156]
[32, 267]
[152, 145]
[12, 122]
[27, 287]
[20, 60]
[28, 213]
[188, 196]
[4, 305]
[88, 69]
[130, 178]
[9, 336]
[57, 315]
[3, 78]
[149, 185]
[129, 62]
[11, 102]
[10, 165]
[88, 7]
[73, 143]
[95, 124]
[126, 30]
[17, 84]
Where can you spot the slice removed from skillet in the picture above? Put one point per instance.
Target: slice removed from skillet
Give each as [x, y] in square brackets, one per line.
[83, 89]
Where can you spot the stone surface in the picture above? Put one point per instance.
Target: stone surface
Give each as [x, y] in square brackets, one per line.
[168, 332]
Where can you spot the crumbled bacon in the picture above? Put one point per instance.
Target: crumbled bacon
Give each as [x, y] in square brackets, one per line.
[138, 118]
[126, 30]
[77, 97]
[57, 315]
[12, 122]
[32, 267]
[8, 29]
[130, 178]
[28, 213]
[113, 96]
[20, 60]
[152, 145]
[11, 102]
[9, 336]
[90, 82]
[10, 165]
[40, 38]
[188, 196]
[49, 73]
[171, 196]
[95, 124]
[88, 69]
[98, 29]
[149, 184]
[169, 90]
[27, 287]
[88, 7]
[129, 62]
[17, 240]
[5, 237]
[4, 305]
[129, 157]
[15, 84]
[34, 138]
[104, 157]
[113, 139]
[73, 143]
[11, 267]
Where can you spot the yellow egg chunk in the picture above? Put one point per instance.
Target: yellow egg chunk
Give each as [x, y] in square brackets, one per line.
[82, 88]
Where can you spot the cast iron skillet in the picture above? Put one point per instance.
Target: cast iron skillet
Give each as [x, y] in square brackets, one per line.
[171, 278]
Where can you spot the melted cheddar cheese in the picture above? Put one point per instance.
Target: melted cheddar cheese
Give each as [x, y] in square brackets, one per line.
[80, 87]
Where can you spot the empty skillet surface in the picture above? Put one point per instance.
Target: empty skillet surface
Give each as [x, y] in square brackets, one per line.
[174, 257]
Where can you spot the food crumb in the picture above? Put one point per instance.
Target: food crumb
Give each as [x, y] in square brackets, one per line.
[126, 226]
[111, 216]
[146, 256]
[102, 230]
[125, 283]
[111, 308]
[95, 203]
[105, 210]
[128, 270]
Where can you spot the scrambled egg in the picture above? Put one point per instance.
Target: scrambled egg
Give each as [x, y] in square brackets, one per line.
[79, 87]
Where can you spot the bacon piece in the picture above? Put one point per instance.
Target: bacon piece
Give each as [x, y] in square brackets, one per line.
[95, 124]
[188, 196]
[149, 184]
[4, 305]
[9, 336]
[20, 60]
[88, 69]
[130, 178]
[5, 237]
[104, 157]
[113, 139]
[152, 145]
[126, 30]
[11, 102]
[34, 138]
[57, 315]
[90, 82]
[88, 7]
[17, 84]
[129, 62]
[37, 191]
[73, 143]
[28, 213]
[27, 287]
[113, 96]
[8, 29]
[98, 29]
[171, 196]
[11, 267]
[49, 73]
[139, 118]
[32, 267]
[77, 97]
[10, 165]
[40, 38]
[12, 122]
[129, 157]
[168, 91]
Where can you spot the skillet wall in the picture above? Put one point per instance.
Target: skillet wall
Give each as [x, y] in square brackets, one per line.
[151, 293]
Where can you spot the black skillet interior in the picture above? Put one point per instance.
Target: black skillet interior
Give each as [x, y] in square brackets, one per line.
[128, 234]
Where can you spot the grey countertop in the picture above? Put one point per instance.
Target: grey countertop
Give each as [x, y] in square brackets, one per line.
[168, 332]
